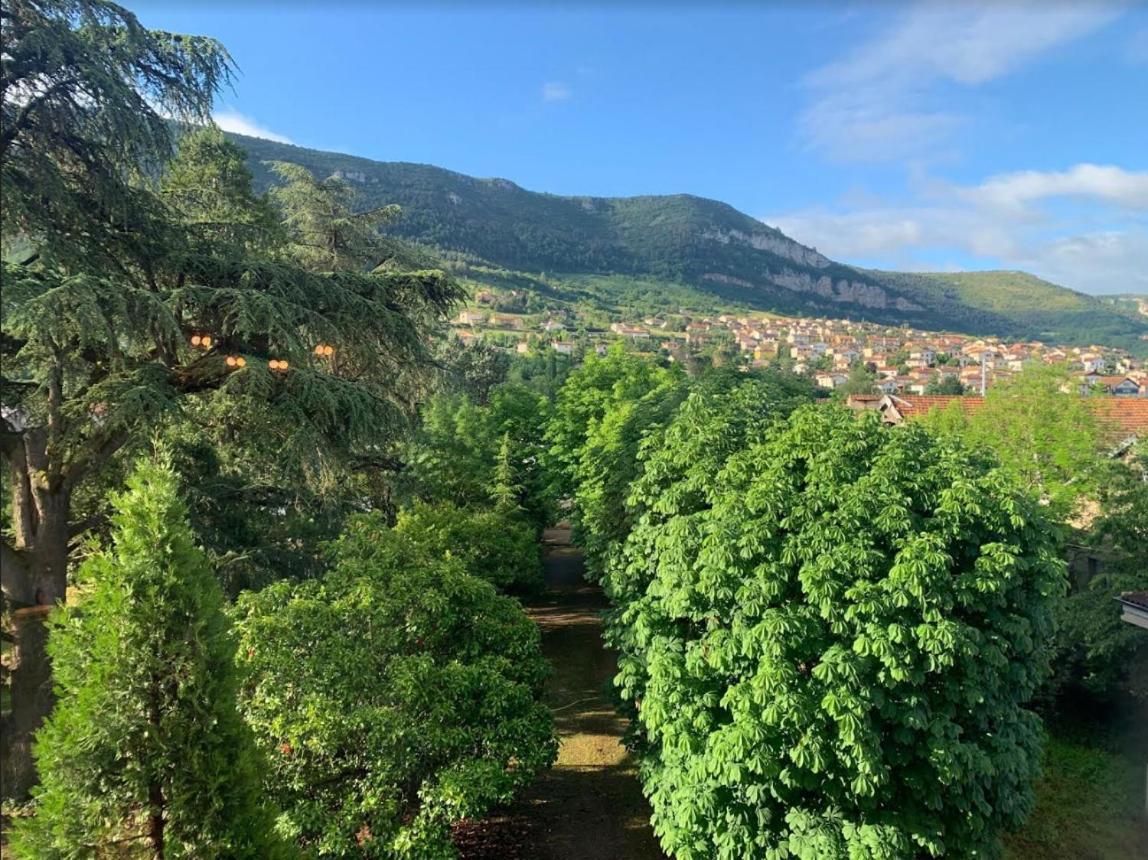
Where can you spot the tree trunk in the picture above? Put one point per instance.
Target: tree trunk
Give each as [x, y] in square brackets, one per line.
[34, 579]
[155, 833]
[31, 700]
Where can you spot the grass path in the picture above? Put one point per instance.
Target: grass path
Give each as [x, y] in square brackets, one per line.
[589, 806]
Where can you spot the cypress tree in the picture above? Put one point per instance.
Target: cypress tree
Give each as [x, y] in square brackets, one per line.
[146, 750]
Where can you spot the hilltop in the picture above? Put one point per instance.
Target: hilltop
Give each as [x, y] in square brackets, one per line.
[707, 246]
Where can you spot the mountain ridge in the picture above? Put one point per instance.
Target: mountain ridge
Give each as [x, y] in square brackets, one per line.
[702, 243]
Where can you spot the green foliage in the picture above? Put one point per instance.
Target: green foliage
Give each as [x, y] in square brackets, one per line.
[506, 490]
[723, 413]
[495, 545]
[208, 187]
[87, 95]
[949, 385]
[325, 234]
[588, 393]
[255, 519]
[1096, 650]
[830, 648]
[861, 380]
[542, 374]
[1043, 433]
[1017, 304]
[426, 713]
[457, 452]
[639, 397]
[476, 370]
[146, 753]
[103, 356]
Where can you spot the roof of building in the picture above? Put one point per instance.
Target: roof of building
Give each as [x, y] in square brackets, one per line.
[912, 405]
[1139, 599]
[1127, 415]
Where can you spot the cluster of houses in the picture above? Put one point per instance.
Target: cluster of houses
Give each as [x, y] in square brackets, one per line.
[901, 360]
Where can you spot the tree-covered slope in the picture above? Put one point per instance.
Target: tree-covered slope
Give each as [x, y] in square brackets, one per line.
[1017, 303]
[698, 242]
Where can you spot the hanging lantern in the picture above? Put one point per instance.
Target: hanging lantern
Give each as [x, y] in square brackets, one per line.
[278, 364]
[240, 361]
[231, 361]
[205, 341]
[195, 339]
[328, 350]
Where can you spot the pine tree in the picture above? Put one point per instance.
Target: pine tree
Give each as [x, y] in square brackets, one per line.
[326, 234]
[506, 489]
[96, 356]
[146, 750]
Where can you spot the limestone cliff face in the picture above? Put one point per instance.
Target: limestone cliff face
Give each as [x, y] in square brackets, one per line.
[842, 291]
[774, 243]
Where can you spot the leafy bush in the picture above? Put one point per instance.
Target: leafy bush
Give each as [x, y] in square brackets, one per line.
[395, 696]
[494, 545]
[831, 649]
[146, 754]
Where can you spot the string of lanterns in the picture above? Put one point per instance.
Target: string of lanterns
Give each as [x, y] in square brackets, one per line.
[280, 365]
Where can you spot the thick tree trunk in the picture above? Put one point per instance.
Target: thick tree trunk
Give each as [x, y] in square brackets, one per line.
[31, 700]
[34, 576]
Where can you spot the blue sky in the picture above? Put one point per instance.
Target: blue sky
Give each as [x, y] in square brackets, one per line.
[916, 135]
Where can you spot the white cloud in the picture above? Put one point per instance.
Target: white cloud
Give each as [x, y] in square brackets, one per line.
[1109, 262]
[878, 102]
[233, 121]
[1098, 245]
[1104, 183]
[555, 91]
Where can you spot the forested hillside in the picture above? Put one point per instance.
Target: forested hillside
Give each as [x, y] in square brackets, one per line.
[1022, 303]
[705, 244]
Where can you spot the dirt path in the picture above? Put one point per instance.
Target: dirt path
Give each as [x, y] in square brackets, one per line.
[589, 806]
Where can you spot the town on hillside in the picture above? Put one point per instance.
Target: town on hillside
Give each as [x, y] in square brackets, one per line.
[900, 360]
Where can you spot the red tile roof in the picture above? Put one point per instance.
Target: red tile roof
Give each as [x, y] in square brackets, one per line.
[1128, 415]
[911, 405]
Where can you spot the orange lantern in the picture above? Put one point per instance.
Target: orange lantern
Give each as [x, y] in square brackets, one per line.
[240, 361]
[231, 361]
[328, 350]
[195, 340]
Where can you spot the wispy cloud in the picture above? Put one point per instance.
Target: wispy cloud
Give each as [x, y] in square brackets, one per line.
[880, 101]
[233, 121]
[1097, 244]
[1104, 183]
[555, 91]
